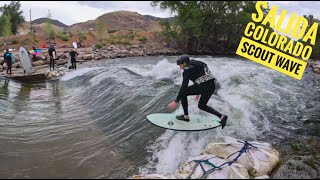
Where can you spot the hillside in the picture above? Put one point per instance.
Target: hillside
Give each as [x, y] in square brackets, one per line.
[170, 19]
[54, 22]
[122, 27]
[121, 20]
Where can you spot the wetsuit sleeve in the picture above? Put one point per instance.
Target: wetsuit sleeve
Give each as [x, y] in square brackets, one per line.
[184, 86]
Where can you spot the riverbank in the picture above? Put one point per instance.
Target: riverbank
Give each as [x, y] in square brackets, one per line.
[41, 64]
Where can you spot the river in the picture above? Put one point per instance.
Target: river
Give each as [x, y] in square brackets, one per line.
[91, 122]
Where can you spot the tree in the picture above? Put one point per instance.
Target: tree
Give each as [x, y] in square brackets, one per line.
[101, 28]
[208, 26]
[48, 28]
[7, 26]
[13, 10]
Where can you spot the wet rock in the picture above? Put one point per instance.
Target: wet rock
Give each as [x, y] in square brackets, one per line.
[4, 66]
[97, 58]
[87, 57]
[16, 65]
[316, 70]
[62, 61]
[298, 167]
[37, 63]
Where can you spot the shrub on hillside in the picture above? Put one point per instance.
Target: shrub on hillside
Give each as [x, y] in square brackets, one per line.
[70, 34]
[112, 31]
[142, 39]
[14, 41]
[63, 36]
[100, 45]
[90, 33]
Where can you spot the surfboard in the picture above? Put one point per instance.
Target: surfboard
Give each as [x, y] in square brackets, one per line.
[25, 60]
[14, 59]
[54, 55]
[74, 44]
[196, 123]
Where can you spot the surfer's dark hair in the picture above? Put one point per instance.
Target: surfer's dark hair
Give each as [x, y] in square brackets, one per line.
[183, 59]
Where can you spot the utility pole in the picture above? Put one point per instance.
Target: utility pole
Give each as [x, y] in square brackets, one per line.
[30, 23]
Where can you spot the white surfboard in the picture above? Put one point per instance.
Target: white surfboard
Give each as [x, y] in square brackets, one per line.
[54, 54]
[25, 60]
[74, 44]
[196, 123]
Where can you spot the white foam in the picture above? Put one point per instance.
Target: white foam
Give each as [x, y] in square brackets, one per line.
[245, 87]
[77, 73]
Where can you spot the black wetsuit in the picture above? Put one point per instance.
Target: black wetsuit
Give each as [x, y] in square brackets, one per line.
[51, 49]
[73, 55]
[199, 73]
[8, 58]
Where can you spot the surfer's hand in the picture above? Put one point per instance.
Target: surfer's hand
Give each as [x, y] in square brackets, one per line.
[197, 97]
[173, 105]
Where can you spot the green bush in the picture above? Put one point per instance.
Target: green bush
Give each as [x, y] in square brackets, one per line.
[81, 35]
[63, 36]
[99, 45]
[112, 41]
[52, 34]
[70, 34]
[142, 39]
[126, 42]
[14, 41]
[131, 36]
[112, 31]
[90, 33]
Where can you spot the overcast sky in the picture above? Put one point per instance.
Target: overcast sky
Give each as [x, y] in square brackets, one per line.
[70, 12]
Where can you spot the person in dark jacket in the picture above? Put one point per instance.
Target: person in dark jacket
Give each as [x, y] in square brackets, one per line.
[204, 86]
[73, 55]
[51, 51]
[8, 59]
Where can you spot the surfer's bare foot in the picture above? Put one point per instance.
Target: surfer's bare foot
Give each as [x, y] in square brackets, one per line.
[183, 118]
[223, 121]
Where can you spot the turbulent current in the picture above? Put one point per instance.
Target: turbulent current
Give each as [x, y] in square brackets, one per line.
[91, 123]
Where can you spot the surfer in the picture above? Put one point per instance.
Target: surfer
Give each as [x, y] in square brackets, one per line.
[8, 59]
[51, 50]
[204, 86]
[73, 55]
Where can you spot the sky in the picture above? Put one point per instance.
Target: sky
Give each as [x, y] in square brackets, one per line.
[71, 12]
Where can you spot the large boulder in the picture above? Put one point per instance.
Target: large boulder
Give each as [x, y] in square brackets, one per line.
[298, 167]
[16, 65]
[4, 66]
[87, 57]
[316, 70]
[38, 63]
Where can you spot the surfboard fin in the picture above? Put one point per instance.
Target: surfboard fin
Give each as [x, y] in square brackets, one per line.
[223, 122]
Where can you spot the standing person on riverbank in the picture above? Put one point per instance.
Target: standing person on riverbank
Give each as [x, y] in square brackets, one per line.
[7, 57]
[73, 55]
[51, 51]
[203, 86]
